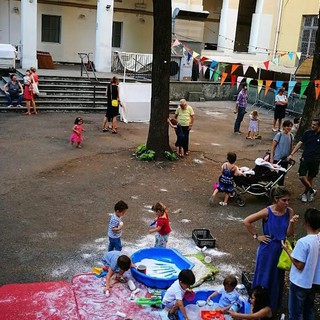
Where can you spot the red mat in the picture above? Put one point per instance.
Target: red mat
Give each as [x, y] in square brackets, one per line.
[44, 300]
[93, 304]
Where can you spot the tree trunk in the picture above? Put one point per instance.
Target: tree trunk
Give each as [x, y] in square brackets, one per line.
[311, 108]
[158, 136]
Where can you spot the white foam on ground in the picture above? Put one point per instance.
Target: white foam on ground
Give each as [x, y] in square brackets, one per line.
[232, 218]
[163, 190]
[198, 161]
[48, 235]
[185, 221]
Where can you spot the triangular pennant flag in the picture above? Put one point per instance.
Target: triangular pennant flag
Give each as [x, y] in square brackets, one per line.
[234, 68]
[216, 75]
[255, 67]
[200, 66]
[298, 55]
[204, 69]
[275, 61]
[176, 43]
[223, 77]
[211, 73]
[283, 54]
[223, 65]
[213, 64]
[239, 80]
[279, 84]
[233, 79]
[248, 80]
[268, 84]
[203, 59]
[184, 50]
[291, 85]
[266, 64]
[189, 56]
[245, 68]
[317, 88]
[304, 85]
[260, 84]
[195, 54]
[290, 55]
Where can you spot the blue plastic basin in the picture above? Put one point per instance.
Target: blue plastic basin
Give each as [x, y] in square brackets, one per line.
[203, 295]
[164, 255]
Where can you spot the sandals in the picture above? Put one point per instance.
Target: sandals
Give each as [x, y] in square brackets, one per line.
[114, 131]
[223, 203]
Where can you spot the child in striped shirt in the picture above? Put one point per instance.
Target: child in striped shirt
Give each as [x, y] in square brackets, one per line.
[116, 225]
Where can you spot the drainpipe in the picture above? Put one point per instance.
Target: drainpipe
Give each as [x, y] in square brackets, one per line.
[277, 30]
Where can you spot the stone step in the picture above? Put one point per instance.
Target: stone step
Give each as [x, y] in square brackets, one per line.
[195, 96]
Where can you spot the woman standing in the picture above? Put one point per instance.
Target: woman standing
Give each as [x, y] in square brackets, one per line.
[28, 92]
[277, 223]
[113, 105]
[280, 109]
[35, 84]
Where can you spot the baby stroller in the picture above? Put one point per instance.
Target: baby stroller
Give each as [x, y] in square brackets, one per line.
[259, 181]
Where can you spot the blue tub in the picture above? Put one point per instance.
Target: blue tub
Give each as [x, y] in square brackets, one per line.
[203, 295]
[161, 254]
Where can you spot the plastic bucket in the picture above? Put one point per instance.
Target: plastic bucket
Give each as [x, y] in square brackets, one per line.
[141, 268]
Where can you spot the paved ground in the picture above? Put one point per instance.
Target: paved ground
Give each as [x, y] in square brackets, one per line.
[55, 199]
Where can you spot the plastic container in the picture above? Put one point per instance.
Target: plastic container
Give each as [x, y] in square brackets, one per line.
[164, 255]
[203, 238]
[142, 268]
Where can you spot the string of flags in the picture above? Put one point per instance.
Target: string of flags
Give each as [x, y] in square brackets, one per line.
[216, 71]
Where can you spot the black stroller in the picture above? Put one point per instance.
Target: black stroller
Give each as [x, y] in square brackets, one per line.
[258, 184]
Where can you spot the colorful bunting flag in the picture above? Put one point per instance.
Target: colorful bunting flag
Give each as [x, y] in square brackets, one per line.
[291, 85]
[200, 66]
[239, 80]
[202, 59]
[204, 69]
[176, 43]
[290, 55]
[233, 79]
[317, 88]
[279, 84]
[211, 73]
[298, 55]
[248, 80]
[304, 85]
[213, 64]
[266, 64]
[283, 54]
[189, 56]
[223, 77]
[260, 84]
[268, 84]
[195, 54]
[245, 68]
[216, 75]
[275, 61]
[234, 68]
[255, 67]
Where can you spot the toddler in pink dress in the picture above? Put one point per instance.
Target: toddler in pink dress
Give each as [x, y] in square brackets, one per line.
[76, 135]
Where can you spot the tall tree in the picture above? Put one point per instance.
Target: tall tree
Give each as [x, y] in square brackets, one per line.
[311, 108]
[158, 136]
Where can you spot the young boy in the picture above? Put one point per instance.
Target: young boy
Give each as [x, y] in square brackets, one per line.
[229, 296]
[180, 143]
[114, 262]
[174, 295]
[116, 225]
[162, 227]
[305, 270]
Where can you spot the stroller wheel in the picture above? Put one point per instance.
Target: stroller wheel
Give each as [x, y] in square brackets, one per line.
[240, 201]
[232, 194]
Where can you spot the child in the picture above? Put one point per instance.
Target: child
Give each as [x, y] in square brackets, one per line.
[253, 125]
[76, 136]
[296, 125]
[229, 296]
[114, 262]
[260, 309]
[305, 269]
[225, 183]
[162, 227]
[174, 295]
[116, 225]
[173, 123]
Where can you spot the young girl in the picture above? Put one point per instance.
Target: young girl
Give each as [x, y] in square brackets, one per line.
[259, 306]
[162, 225]
[76, 136]
[253, 125]
[225, 183]
[173, 123]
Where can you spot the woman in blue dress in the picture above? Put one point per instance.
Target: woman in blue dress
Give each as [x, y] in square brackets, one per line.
[277, 223]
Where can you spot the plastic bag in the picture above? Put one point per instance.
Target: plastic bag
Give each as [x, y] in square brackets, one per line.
[285, 262]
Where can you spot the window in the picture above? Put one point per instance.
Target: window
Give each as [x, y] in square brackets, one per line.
[51, 28]
[308, 35]
[116, 34]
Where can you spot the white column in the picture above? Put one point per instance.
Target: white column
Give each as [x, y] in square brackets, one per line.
[104, 35]
[255, 27]
[29, 34]
[228, 25]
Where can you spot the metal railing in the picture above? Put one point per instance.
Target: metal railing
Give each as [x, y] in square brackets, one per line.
[86, 64]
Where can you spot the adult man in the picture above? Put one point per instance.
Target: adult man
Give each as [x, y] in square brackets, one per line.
[13, 90]
[185, 117]
[310, 160]
[240, 108]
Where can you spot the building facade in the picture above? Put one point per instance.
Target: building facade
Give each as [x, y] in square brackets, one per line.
[235, 31]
